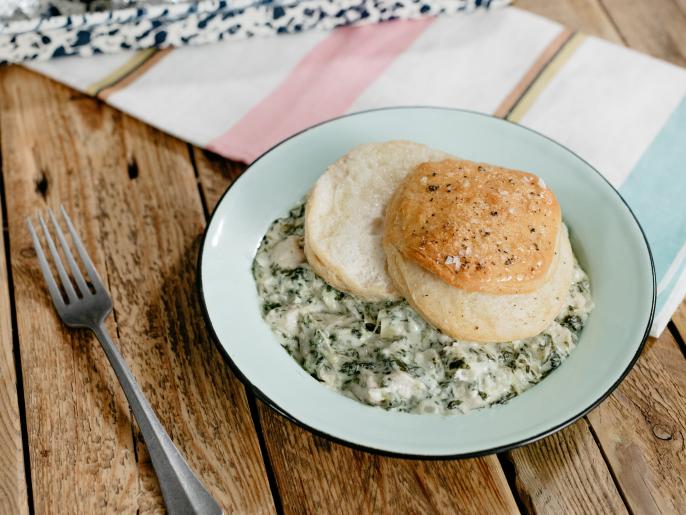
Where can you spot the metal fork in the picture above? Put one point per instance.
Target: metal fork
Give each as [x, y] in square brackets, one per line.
[82, 307]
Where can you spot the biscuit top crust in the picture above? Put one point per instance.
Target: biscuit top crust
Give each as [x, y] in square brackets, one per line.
[478, 227]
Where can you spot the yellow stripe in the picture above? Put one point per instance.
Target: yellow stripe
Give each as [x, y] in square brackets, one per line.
[545, 77]
[115, 76]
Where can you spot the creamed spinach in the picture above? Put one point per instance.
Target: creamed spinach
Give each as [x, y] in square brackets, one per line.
[384, 353]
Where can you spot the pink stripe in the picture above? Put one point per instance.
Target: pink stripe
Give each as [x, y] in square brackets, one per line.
[324, 84]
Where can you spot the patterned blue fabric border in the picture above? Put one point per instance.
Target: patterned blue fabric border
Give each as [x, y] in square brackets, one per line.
[203, 22]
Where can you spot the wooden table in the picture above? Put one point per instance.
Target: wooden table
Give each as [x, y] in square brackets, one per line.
[68, 443]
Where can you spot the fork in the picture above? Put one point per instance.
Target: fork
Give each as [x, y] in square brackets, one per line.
[86, 307]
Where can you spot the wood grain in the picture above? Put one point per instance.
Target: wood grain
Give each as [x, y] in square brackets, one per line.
[679, 320]
[588, 16]
[79, 432]
[657, 28]
[672, 358]
[642, 430]
[63, 147]
[13, 493]
[314, 475]
[215, 174]
[565, 473]
[151, 236]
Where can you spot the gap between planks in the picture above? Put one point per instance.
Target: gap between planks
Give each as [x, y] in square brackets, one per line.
[18, 495]
[252, 402]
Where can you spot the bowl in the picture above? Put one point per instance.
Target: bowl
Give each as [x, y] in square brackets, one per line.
[605, 235]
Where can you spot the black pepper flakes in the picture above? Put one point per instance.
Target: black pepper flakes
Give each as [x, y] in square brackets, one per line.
[494, 213]
[432, 187]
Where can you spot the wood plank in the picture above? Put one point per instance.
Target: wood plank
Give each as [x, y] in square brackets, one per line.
[642, 430]
[679, 320]
[63, 147]
[79, 432]
[657, 28]
[315, 475]
[152, 220]
[13, 493]
[588, 16]
[565, 473]
[672, 358]
[215, 174]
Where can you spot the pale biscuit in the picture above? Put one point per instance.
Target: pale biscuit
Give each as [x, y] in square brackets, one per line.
[484, 317]
[344, 215]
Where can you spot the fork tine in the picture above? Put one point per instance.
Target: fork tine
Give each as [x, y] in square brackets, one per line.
[45, 268]
[66, 283]
[78, 276]
[85, 259]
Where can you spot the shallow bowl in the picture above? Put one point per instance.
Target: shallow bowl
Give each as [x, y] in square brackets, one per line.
[605, 235]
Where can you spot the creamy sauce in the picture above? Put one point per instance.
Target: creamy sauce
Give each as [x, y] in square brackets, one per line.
[383, 353]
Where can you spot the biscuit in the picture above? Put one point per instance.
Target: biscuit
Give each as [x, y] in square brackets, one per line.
[344, 216]
[479, 251]
[484, 317]
[476, 226]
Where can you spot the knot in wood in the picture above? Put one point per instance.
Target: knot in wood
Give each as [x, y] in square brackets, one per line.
[662, 432]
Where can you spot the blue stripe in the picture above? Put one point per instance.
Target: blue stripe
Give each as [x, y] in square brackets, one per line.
[656, 192]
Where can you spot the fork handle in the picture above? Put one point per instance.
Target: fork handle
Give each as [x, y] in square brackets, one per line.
[182, 491]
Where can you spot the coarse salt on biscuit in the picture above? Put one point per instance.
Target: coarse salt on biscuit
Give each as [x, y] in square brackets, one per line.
[479, 251]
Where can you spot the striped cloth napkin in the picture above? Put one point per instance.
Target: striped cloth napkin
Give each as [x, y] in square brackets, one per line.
[622, 111]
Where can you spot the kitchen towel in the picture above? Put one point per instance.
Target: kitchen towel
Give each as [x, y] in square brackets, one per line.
[623, 112]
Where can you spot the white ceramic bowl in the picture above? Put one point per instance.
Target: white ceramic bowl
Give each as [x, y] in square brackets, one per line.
[605, 235]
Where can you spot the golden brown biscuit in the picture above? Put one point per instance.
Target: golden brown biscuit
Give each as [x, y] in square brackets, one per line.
[476, 226]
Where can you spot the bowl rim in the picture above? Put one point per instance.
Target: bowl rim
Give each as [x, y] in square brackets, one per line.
[382, 452]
